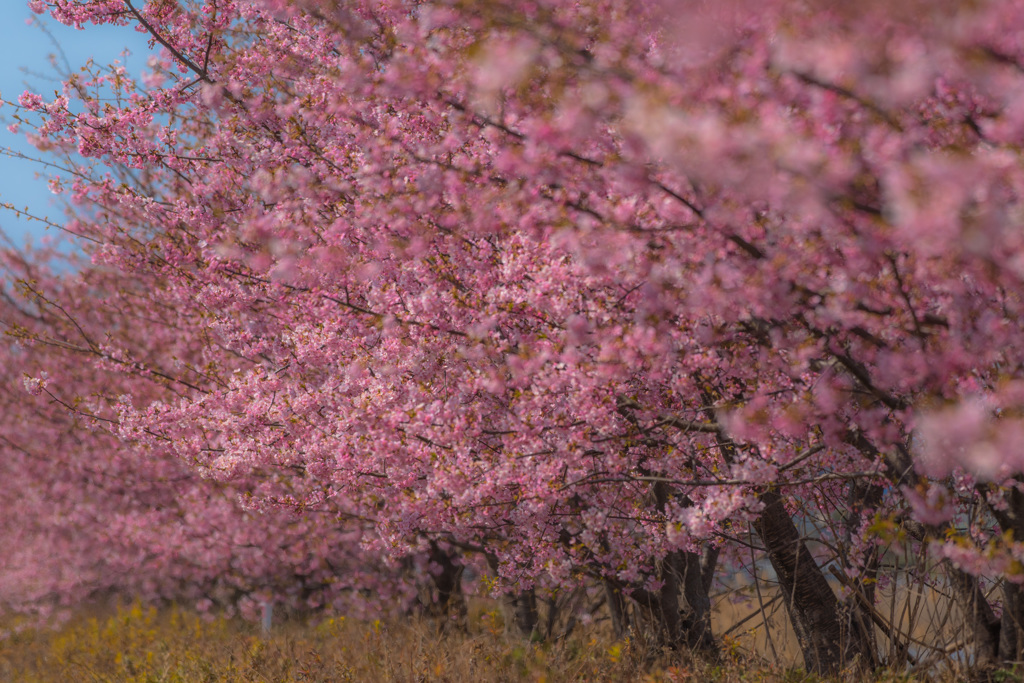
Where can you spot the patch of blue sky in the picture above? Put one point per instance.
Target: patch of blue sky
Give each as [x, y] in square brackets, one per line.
[35, 51]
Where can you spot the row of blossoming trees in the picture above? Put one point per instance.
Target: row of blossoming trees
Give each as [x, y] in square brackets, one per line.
[608, 295]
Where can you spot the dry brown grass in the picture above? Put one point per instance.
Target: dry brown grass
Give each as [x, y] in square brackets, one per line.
[141, 645]
[923, 618]
[148, 646]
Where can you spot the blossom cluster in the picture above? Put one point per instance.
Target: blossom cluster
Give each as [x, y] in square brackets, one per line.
[575, 286]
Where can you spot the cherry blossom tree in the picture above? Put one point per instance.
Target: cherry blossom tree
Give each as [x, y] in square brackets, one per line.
[87, 519]
[587, 289]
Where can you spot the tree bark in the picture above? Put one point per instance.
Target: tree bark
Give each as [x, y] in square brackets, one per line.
[863, 496]
[683, 575]
[812, 606]
[519, 609]
[697, 610]
[617, 607]
[450, 604]
[522, 608]
[1011, 624]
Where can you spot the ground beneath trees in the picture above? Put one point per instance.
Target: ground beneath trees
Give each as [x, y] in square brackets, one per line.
[175, 645]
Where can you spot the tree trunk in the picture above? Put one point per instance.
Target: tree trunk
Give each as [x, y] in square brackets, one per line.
[863, 496]
[617, 607]
[683, 575]
[812, 606]
[666, 610]
[523, 616]
[679, 613]
[449, 605]
[1011, 624]
[519, 609]
[697, 608]
[708, 564]
[980, 618]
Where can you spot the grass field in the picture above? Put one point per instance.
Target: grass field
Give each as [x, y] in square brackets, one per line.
[145, 645]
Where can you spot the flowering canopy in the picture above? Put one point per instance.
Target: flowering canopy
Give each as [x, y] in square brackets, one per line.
[578, 285]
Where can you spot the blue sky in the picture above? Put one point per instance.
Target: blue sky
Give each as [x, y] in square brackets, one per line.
[25, 52]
